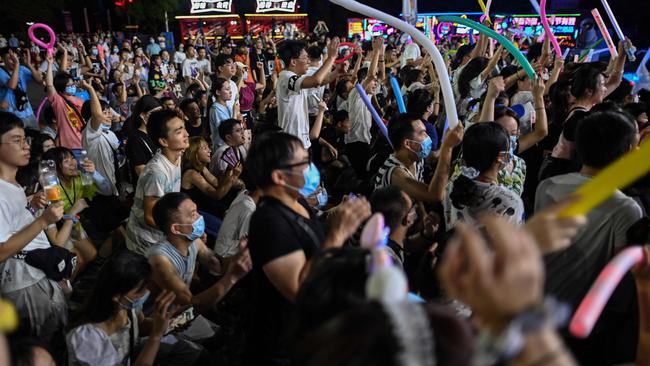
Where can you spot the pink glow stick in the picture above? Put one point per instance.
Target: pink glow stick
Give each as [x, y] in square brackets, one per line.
[40, 109]
[547, 29]
[592, 305]
[605, 32]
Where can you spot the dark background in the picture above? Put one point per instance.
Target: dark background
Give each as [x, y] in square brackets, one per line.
[633, 15]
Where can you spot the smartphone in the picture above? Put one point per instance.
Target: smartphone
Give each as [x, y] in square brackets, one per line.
[74, 73]
[181, 321]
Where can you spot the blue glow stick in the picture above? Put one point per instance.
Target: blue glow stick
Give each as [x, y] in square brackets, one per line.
[398, 94]
[373, 112]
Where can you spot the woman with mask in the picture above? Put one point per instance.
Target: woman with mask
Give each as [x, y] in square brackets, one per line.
[109, 329]
[284, 236]
[486, 150]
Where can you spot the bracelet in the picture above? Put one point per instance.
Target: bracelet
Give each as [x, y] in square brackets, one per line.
[540, 108]
[547, 357]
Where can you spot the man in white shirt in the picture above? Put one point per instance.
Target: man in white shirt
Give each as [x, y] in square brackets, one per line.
[39, 301]
[204, 62]
[315, 54]
[293, 85]
[226, 68]
[190, 66]
[179, 56]
[357, 141]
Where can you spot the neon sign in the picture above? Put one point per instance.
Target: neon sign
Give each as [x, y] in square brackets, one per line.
[265, 6]
[208, 6]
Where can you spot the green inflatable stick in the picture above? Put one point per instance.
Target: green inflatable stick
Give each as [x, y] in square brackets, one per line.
[494, 35]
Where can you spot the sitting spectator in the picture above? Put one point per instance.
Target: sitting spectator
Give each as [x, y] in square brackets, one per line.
[233, 152]
[220, 111]
[400, 214]
[193, 121]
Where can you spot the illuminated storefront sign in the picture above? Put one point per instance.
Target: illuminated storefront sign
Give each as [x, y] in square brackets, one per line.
[265, 6]
[209, 6]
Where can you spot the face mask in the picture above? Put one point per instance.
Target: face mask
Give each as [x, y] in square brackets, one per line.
[116, 50]
[151, 41]
[70, 89]
[322, 198]
[137, 303]
[105, 128]
[94, 52]
[425, 148]
[198, 228]
[162, 45]
[312, 181]
[514, 142]
[244, 75]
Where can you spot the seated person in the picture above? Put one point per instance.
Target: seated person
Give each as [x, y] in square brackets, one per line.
[174, 259]
[233, 151]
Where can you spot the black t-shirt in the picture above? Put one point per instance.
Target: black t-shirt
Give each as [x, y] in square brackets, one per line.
[275, 231]
[139, 150]
[571, 124]
[195, 131]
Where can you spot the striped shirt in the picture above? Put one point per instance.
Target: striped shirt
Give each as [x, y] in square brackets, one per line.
[184, 264]
[384, 176]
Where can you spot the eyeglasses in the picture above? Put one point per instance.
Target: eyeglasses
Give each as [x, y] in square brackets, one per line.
[20, 142]
[291, 166]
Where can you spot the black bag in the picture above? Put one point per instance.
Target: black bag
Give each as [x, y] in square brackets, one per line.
[57, 263]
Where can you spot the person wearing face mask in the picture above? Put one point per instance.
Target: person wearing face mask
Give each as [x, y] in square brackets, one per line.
[404, 168]
[175, 257]
[109, 328]
[284, 235]
[67, 108]
[153, 48]
[486, 150]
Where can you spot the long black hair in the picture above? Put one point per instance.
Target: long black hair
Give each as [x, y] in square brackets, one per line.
[120, 274]
[482, 144]
[473, 69]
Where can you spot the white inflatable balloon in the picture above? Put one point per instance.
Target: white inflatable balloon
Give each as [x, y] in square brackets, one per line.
[420, 38]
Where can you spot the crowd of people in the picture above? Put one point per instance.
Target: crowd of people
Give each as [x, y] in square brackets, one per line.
[203, 204]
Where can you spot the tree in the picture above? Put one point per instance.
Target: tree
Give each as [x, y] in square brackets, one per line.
[150, 15]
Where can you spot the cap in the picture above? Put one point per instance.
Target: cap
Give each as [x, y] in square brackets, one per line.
[240, 64]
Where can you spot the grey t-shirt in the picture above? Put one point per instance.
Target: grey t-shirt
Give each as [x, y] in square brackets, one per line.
[571, 272]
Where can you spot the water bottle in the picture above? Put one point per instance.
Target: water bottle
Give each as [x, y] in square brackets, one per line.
[49, 180]
[86, 178]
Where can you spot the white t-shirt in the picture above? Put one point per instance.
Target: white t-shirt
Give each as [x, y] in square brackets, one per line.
[311, 102]
[205, 66]
[100, 146]
[89, 345]
[235, 225]
[360, 118]
[235, 95]
[179, 57]
[160, 176]
[14, 216]
[293, 116]
[191, 67]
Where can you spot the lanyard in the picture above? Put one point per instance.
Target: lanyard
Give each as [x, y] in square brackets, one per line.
[74, 193]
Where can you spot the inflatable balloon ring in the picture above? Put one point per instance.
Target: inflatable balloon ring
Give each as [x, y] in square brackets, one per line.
[343, 59]
[49, 46]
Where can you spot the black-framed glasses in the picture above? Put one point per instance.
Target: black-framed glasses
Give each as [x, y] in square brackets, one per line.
[20, 142]
[291, 166]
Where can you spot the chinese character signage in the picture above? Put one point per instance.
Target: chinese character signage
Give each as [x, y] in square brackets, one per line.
[208, 6]
[265, 6]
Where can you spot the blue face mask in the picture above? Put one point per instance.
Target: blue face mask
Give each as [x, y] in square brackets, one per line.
[244, 75]
[137, 303]
[94, 52]
[514, 142]
[198, 228]
[322, 198]
[312, 181]
[71, 89]
[425, 150]
[106, 128]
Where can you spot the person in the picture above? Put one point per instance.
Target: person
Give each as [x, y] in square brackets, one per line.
[357, 141]
[400, 214]
[258, 55]
[13, 86]
[179, 56]
[284, 235]
[190, 68]
[29, 351]
[152, 48]
[486, 150]
[109, 327]
[173, 260]
[601, 139]
[204, 65]
[161, 175]
[314, 95]
[139, 147]
[422, 104]
[231, 132]
[168, 103]
[193, 121]
[226, 69]
[248, 91]
[13, 41]
[39, 301]
[203, 187]
[404, 168]
[292, 85]
[67, 108]
[220, 111]
[236, 222]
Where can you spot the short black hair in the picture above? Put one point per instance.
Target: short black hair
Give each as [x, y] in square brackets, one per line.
[391, 203]
[636, 109]
[222, 59]
[340, 116]
[186, 103]
[86, 111]
[165, 209]
[61, 80]
[401, 128]
[5, 50]
[603, 137]
[314, 52]
[157, 125]
[9, 121]
[227, 127]
[289, 50]
[362, 73]
[585, 78]
[268, 152]
[419, 101]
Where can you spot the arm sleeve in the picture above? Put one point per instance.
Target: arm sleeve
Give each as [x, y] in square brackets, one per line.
[89, 347]
[154, 184]
[294, 84]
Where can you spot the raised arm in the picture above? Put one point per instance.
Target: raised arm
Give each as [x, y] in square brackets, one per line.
[496, 86]
[558, 66]
[377, 45]
[441, 176]
[320, 76]
[15, 73]
[541, 122]
[616, 76]
[95, 106]
[314, 133]
[492, 64]
[49, 79]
